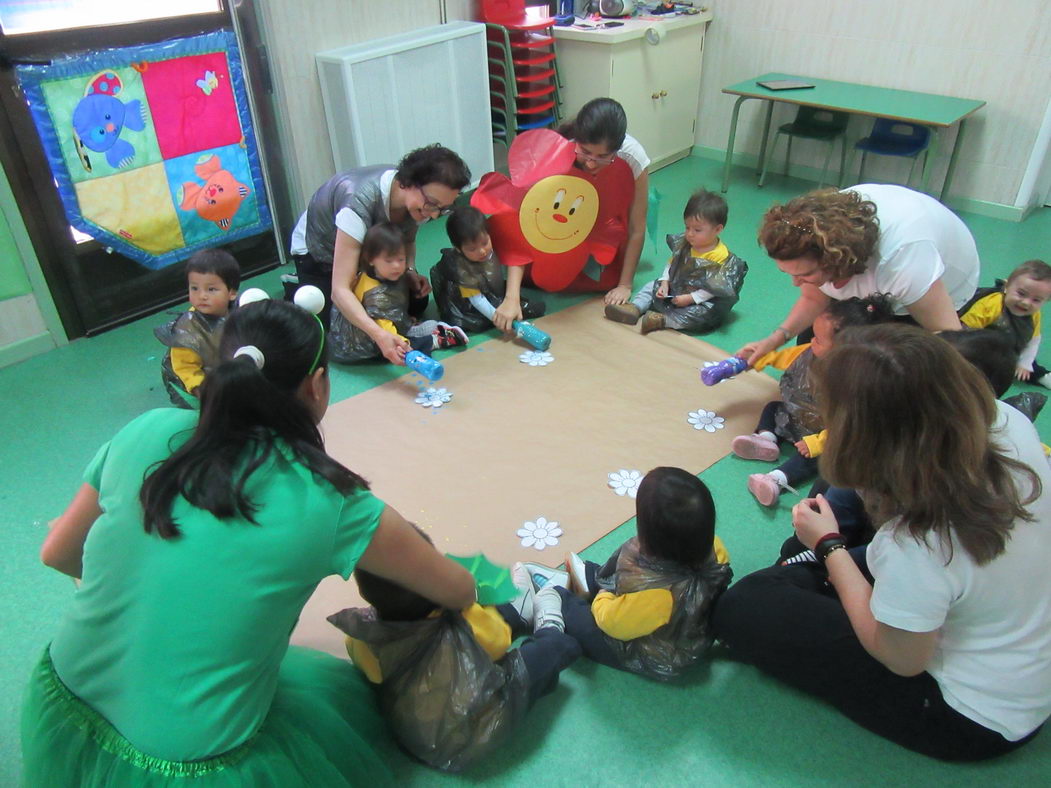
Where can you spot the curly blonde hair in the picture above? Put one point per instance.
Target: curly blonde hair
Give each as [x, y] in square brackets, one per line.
[837, 229]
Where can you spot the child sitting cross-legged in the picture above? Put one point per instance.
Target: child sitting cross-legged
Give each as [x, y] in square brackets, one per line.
[469, 281]
[794, 417]
[646, 609]
[450, 685]
[383, 287]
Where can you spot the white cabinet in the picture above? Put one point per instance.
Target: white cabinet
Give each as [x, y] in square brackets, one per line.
[652, 68]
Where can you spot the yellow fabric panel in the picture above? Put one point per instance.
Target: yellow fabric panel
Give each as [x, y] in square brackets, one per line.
[630, 616]
[716, 255]
[362, 656]
[816, 442]
[984, 311]
[1036, 324]
[187, 365]
[366, 283]
[782, 359]
[469, 292]
[136, 205]
[722, 555]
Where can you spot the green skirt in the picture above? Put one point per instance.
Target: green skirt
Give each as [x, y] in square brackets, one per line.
[323, 729]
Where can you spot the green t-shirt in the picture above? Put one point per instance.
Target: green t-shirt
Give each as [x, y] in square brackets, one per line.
[178, 642]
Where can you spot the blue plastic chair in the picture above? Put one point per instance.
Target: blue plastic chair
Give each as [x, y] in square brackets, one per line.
[895, 138]
[813, 123]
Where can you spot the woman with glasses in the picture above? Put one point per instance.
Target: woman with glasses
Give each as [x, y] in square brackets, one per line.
[865, 240]
[326, 243]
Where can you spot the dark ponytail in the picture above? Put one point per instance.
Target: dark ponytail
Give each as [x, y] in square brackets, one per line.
[245, 412]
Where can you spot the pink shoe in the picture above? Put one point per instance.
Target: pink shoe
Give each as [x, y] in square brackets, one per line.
[765, 488]
[752, 447]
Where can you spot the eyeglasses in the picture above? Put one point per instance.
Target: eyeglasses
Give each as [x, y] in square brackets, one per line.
[605, 158]
[431, 205]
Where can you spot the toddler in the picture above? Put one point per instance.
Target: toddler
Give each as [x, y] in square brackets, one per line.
[384, 290]
[449, 682]
[794, 417]
[700, 284]
[646, 610]
[212, 277]
[1014, 307]
[468, 281]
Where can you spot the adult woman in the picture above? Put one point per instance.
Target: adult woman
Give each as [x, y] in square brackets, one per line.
[600, 134]
[948, 651]
[865, 240]
[327, 240]
[198, 542]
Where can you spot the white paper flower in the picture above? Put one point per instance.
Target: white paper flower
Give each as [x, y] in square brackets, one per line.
[715, 364]
[625, 482]
[705, 420]
[539, 534]
[433, 398]
[536, 358]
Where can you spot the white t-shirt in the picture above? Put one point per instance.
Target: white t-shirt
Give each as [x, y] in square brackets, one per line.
[635, 155]
[993, 659]
[346, 219]
[920, 241]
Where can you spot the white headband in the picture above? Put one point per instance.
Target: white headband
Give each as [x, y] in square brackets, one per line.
[253, 353]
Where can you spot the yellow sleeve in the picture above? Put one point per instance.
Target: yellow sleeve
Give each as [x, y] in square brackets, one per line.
[1036, 324]
[782, 359]
[388, 326]
[722, 555]
[984, 311]
[187, 365]
[361, 655]
[630, 616]
[490, 630]
[816, 442]
[469, 292]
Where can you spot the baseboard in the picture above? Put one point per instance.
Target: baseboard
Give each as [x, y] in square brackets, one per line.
[26, 348]
[995, 210]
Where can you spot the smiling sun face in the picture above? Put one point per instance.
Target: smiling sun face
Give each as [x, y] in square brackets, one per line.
[558, 212]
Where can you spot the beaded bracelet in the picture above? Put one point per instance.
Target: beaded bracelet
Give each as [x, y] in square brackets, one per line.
[827, 544]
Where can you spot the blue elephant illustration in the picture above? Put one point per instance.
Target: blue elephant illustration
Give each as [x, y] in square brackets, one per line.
[100, 117]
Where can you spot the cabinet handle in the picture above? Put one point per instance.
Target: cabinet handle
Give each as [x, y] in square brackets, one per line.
[664, 93]
[655, 96]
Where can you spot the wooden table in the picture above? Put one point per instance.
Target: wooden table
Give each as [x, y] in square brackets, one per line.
[926, 109]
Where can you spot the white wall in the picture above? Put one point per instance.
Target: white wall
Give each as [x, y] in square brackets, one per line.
[295, 32]
[996, 50]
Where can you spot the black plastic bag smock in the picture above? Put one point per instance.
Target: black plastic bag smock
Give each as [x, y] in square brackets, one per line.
[688, 273]
[385, 301]
[445, 700]
[191, 330]
[454, 271]
[799, 416]
[684, 640]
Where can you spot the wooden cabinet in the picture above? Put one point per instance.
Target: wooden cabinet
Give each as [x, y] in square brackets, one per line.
[652, 68]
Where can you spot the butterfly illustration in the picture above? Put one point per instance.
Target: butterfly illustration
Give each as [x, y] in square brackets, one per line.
[208, 83]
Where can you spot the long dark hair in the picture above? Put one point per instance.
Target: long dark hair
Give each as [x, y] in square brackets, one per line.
[246, 412]
[676, 517]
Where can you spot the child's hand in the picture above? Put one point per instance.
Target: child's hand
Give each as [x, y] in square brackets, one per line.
[662, 289]
[682, 300]
[1022, 373]
[506, 314]
[802, 448]
[813, 518]
[419, 284]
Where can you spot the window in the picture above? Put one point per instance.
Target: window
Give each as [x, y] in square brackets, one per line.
[19, 17]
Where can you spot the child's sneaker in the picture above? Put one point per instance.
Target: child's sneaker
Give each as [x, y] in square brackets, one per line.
[766, 488]
[446, 336]
[523, 603]
[541, 576]
[578, 578]
[652, 321]
[753, 447]
[548, 606]
[623, 313]
[1044, 380]
[805, 557]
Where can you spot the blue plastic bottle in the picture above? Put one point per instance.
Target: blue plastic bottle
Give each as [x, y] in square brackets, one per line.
[726, 368]
[541, 340]
[430, 368]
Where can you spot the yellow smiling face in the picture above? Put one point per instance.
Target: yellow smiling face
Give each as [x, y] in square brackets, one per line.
[558, 213]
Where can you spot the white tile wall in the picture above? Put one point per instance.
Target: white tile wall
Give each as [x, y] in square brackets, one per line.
[996, 50]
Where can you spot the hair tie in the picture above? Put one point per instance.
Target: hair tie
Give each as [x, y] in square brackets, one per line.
[870, 308]
[793, 226]
[253, 353]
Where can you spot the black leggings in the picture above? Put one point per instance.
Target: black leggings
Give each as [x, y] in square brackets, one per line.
[788, 622]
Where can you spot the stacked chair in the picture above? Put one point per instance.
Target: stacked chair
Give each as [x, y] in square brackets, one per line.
[523, 69]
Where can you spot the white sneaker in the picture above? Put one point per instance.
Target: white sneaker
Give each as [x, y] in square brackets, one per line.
[548, 606]
[542, 576]
[523, 603]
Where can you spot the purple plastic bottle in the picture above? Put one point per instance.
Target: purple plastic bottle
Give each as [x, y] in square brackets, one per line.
[726, 368]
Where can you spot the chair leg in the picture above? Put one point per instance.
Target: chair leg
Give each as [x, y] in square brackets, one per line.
[767, 158]
[828, 158]
[861, 169]
[788, 154]
[842, 160]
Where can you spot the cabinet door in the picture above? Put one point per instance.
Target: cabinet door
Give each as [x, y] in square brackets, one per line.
[635, 76]
[676, 62]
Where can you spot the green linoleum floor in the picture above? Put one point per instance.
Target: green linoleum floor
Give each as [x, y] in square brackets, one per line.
[724, 724]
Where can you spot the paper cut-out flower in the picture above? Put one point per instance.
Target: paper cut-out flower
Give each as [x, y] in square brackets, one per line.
[433, 398]
[625, 482]
[539, 534]
[536, 358]
[705, 420]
